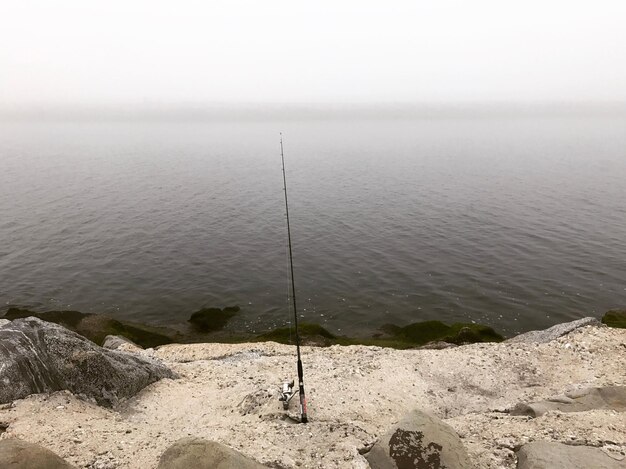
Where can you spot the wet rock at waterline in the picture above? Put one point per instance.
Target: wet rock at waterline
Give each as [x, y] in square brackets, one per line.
[419, 441]
[197, 453]
[39, 356]
[554, 332]
[552, 455]
[309, 333]
[610, 398]
[96, 327]
[435, 333]
[212, 319]
[19, 454]
[615, 318]
[425, 332]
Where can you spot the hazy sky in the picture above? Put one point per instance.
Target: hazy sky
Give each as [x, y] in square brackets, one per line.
[193, 52]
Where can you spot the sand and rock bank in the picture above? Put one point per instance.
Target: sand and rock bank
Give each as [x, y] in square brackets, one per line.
[228, 393]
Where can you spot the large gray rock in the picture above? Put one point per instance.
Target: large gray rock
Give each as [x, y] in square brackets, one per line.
[196, 453]
[419, 441]
[553, 332]
[4, 322]
[19, 454]
[41, 357]
[610, 397]
[551, 455]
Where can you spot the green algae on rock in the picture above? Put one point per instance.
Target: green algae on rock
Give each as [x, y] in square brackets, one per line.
[615, 318]
[96, 327]
[212, 319]
[420, 333]
[413, 335]
[207, 323]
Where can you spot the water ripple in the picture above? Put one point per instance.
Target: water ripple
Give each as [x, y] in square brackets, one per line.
[511, 222]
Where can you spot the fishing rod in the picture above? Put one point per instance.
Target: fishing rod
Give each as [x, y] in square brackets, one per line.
[287, 391]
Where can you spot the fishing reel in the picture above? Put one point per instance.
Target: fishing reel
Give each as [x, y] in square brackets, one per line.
[286, 393]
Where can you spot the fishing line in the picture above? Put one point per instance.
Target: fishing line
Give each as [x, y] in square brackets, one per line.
[289, 321]
[287, 392]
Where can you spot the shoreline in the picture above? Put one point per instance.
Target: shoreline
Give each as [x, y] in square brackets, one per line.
[228, 393]
[208, 326]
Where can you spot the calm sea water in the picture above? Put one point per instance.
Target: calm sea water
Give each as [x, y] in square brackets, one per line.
[519, 223]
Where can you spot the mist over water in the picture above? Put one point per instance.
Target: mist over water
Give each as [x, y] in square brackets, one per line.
[519, 223]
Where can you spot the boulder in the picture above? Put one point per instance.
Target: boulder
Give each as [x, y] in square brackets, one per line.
[420, 333]
[19, 454]
[41, 357]
[615, 318]
[552, 455]
[114, 342]
[553, 332]
[212, 319]
[4, 322]
[197, 453]
[610, 397]
[419, 441]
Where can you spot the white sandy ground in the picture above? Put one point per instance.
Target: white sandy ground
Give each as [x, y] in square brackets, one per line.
[228, 393]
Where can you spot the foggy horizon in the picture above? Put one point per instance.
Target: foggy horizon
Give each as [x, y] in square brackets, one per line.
[73, 57]
[279, 111]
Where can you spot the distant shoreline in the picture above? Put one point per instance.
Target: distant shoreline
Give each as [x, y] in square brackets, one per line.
[185, 112]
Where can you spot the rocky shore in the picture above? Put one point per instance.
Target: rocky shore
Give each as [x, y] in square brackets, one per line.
[553, 398]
